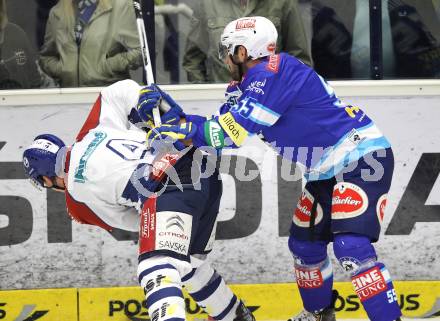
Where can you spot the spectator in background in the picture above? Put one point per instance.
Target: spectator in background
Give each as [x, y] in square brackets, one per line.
[43, 9]
[415, 30]
[201, 60]
[410, 38]
[18, 67]
[331, 41]
[90, 42]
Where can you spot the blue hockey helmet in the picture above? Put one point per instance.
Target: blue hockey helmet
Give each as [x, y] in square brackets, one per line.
[40, 158]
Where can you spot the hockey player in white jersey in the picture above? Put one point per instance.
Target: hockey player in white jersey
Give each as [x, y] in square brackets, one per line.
[111, 180]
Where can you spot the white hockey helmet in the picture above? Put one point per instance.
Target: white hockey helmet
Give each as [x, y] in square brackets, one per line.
[257, 34]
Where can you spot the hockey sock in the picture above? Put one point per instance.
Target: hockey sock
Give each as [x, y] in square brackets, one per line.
[371, 280]
[315, 282]
[211, 293]
[161, 283]
[314, 273]
[376, 293]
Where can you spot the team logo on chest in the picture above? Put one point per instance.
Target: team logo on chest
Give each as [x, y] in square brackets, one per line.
[303, 212]
[349, 200]
[257, 86]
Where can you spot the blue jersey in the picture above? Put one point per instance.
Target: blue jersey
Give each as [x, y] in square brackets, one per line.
[293, 109]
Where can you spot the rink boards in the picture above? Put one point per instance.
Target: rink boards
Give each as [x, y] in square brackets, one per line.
[418, 299]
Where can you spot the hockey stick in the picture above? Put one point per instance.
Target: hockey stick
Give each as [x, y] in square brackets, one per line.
[146, 57]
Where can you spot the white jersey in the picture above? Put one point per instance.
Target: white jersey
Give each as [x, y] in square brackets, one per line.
[107, 152]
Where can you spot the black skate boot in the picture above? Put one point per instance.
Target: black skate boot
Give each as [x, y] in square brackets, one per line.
[243, 313]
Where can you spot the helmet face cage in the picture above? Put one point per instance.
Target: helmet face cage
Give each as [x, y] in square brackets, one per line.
[37, 182]
[223, 51]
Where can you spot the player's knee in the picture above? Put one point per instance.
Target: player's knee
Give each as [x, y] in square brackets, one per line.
[201, 275]
[153, 269]
[160, 278]
[354, 252]
[307, 252]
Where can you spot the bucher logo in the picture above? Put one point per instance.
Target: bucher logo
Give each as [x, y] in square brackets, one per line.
[245, 24]
[303, 211]
[349, 200]
[27, 313]
[369, 283]
[380, 207]
[308, 279]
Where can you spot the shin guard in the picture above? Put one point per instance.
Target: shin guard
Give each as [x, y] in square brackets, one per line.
[376, 293]
[371, 279]
[314, 273]
[161, 282]
[210, 291]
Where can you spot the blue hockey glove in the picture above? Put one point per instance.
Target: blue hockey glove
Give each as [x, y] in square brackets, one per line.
[149, 98]
[174, 113]
[167, 134]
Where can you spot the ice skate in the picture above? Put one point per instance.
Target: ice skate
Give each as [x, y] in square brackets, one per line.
[243, 313]
[327, 314]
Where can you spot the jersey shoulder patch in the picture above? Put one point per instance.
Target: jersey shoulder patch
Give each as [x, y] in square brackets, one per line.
[273, 64]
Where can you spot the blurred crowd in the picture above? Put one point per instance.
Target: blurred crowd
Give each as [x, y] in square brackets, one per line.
[74, 43]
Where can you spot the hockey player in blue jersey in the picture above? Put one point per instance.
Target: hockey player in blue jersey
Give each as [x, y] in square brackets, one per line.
[347, 163]
[111, 180]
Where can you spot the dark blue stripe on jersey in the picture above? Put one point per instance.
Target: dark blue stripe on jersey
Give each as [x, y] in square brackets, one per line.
[207, 290]
[163, 293]
[140, 179]
[171, 319]
[130, 193]
[175, 255]
[189, 275]
[227, 310]
[154, 268]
